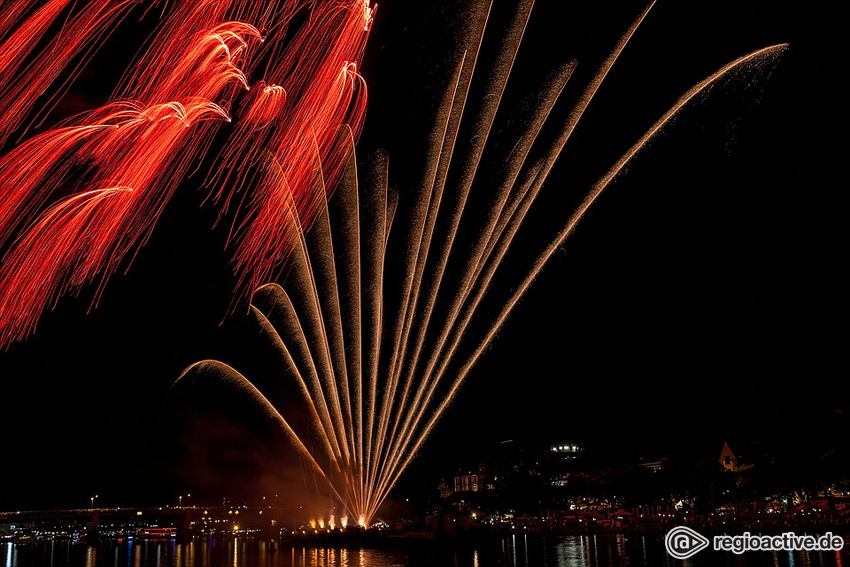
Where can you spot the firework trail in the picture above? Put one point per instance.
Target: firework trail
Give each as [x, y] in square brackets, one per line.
[77, 201]
[26, 72]
[378, 321]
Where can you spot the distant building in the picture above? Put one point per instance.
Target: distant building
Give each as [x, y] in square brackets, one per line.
[471, 481]
[445, 489]
[727, 459]
[567, 449]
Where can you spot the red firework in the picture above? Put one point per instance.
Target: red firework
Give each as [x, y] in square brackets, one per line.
[77, 200]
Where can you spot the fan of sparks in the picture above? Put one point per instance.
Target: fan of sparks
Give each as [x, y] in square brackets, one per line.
[375, 322]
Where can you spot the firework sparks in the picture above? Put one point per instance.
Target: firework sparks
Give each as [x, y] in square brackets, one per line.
[375, 365]
[122, 163]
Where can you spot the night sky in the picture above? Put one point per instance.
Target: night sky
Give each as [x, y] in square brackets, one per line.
[704, 296]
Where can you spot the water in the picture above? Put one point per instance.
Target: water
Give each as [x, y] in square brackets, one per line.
[602, 550]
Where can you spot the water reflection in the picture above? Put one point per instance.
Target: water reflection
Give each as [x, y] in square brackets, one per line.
[91, 557]
[602, 550]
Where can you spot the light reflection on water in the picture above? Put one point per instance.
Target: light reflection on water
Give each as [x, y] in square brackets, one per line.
[603, 550]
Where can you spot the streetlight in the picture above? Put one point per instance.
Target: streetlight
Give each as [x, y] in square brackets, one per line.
[91, 505]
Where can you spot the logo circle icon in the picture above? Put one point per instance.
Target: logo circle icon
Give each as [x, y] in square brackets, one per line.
[682, 542]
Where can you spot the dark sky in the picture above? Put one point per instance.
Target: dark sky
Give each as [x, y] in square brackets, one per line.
[703, 297]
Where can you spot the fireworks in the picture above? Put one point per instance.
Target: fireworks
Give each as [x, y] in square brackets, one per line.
[78, 200]
[375, 322]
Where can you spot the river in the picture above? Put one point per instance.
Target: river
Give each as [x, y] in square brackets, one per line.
[601, 550]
